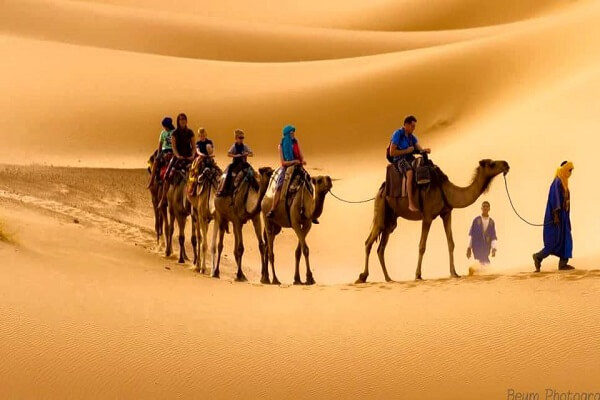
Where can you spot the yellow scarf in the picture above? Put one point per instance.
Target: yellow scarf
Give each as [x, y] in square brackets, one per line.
[563, 174]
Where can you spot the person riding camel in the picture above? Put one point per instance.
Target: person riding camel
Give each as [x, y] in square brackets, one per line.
[204, 146]
[402, 147]
[204, 158]
[289, 155]
[164, 147]
[182, 140]
[240, 153]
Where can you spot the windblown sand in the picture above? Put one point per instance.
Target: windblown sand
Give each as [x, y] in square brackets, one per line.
[90, 308]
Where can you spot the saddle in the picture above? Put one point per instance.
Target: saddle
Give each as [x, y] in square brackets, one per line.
[163, 164]
[245, 174]
[179, 168]
[202, 171]
[295, 178]
[396, 182]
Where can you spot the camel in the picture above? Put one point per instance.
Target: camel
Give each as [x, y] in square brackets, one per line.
[438, 199]
[160, 215]
[238, 208]
[203, 208]
[179, 209]
[303, 210]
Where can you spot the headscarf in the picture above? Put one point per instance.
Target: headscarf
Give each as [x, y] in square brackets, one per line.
[562, 173]
[287, 145]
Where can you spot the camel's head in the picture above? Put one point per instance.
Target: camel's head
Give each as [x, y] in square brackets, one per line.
[265, 173]
[492, 168]
[322, 184]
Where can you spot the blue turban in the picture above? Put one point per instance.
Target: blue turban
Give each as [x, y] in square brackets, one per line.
[287, 145]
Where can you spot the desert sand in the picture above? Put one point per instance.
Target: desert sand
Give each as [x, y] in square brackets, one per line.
[91, 308]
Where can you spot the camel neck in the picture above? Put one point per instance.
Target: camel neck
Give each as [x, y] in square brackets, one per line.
[319, 201]
[461, 197]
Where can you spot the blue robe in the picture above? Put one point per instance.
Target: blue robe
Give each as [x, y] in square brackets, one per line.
[481, 242]
[557, 239]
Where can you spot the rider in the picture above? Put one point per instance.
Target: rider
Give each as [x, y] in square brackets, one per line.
[204, 157]
[182, 140]
[240, 153]
[204, 146]
[164, 147]
[290, 155]
[402, 146]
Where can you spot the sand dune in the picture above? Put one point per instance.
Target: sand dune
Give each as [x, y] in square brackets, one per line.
[92, 306]
[355, 14]
[180, 35]
[443, 84]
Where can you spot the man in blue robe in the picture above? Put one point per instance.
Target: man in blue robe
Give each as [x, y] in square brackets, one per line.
[482, 236]
[557, 221]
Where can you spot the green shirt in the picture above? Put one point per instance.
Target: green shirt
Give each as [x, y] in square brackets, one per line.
[165, 140]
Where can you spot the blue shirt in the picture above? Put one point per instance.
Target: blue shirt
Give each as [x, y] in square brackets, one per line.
[403, 142]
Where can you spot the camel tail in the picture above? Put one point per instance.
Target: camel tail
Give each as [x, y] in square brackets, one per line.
[379, 214]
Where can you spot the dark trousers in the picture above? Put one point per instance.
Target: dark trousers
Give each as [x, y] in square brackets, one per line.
[542, 254]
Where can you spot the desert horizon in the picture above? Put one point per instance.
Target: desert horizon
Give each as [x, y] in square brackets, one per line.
[93, 308]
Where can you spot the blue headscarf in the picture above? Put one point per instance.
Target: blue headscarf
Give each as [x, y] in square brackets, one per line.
[287, 145]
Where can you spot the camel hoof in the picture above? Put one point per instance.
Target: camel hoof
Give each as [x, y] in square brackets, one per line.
[362, 278]
[298, 282]
[388, 279]
[310, 280]
[241, 278]
[275, 282]
[455, 275]
[418, 278]
[265, 281]
[181, 261]
[216, 275]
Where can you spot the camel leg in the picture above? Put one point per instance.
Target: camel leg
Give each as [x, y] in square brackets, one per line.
[385, 236]
[170, 231]
[309, 275]
[181, 219]
[362, 278]
[216, 261]
[422, 245]
[203, 234]
[157, 221]
[164, 220]
[264, 268]
[447, 219]
[239, 252]
[270, 233]
[297, 254]
[302, 233]
[198, 238]
[194, 235]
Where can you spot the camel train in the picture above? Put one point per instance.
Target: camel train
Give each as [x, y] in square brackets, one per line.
[289, 198]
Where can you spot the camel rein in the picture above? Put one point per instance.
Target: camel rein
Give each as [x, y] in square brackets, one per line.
[515, 210]
[350, 201]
